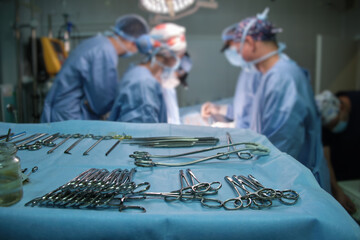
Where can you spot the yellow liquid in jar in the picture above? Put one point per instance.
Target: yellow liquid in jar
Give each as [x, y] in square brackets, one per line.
[10, 185]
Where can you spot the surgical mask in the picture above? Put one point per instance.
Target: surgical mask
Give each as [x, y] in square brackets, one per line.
[170, 82]
[127, 53]
[233, 56]
[340, 127]
[166, 70]
[248, 66]
[237, 60]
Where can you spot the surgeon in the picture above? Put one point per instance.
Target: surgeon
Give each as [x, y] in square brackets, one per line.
[169, 86]
[273, 95]
[340, 116]
[174, 34]
[140, 93]
[85, 88]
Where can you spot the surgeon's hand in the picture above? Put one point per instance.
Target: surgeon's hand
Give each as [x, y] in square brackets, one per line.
[208, 109]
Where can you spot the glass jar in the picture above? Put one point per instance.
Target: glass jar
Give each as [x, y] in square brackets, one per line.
[10, 175]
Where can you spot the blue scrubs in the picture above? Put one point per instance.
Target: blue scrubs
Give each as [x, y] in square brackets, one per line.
[280, 105]
[85, 88]
[139, 98]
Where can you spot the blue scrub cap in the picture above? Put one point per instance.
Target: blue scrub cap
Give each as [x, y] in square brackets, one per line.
[328, 105]
[130, 27]
[261, 29]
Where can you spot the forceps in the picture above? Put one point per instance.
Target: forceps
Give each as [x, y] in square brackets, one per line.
[287, 197]
[133, 194]
[45, 197]
[196, 191]
[146, 155]
[261, 198]
[38, 144]
[237, 202]
[242, 156]
[203, 187]
[34, 137]
[142, 159]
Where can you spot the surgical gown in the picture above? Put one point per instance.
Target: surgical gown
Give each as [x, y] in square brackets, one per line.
[280, 105]
[139, 98]
[85, 88]
[172, 106]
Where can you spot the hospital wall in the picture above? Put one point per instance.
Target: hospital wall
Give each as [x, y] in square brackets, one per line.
[212, 77]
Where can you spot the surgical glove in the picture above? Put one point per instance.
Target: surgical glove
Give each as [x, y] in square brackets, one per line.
[208, 109]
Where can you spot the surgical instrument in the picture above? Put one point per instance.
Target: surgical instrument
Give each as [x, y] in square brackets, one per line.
[287, 197]
[237, 202]
[5, 136]
[120, 138]
[99, 139]
[248, 145]
[95, 189]
[39, 143]
[202, 186]
[260, 198]
[142, 159]
[33, 170]
[8, 135]
[24, 139]
[51, 142]
[169, 142]
[13, 136]
[49, 138]
[24, 144]
[242, 157]
[80, 138]
[67, 137]
[190, 191]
